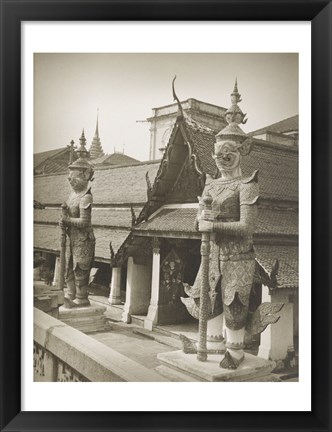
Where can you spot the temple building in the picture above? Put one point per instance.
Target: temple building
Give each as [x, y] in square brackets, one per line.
[57, 160]
[51, 161]
[284, 132]
[144, 214]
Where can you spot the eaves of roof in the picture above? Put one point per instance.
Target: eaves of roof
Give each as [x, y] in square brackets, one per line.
[177, 219]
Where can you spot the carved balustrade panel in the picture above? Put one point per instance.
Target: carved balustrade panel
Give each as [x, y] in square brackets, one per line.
[49, 368]
[65, 373]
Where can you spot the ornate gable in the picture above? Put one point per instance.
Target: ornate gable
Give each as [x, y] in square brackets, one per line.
[187, 187]
[179, 178]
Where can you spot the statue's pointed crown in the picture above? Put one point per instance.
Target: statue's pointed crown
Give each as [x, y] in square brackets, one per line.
[82, 162]
[234, 117]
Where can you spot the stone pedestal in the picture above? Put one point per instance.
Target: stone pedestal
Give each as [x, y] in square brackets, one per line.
[252, 369]
[87, 319]
[47, 299]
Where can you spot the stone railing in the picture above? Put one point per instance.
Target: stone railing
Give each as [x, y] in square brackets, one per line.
[62, 353]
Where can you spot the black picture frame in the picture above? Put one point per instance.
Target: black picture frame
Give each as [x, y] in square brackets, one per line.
[13, 12]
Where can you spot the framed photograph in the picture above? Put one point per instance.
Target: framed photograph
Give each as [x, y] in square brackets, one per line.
[178, 161]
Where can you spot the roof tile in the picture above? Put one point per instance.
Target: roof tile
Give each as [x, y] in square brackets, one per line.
[47, 237]
[283, 126]
[112, 217]
[278, 169]
[116, 185]
[270, 221]
[288, 258]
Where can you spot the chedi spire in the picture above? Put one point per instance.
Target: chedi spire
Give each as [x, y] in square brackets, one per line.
[96, 149]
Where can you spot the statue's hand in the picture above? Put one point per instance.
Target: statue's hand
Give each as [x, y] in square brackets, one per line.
[205, 226]
[207, 215]
[64, 221]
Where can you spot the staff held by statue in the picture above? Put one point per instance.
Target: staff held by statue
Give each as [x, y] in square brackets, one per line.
[62, 249]
[207, 215]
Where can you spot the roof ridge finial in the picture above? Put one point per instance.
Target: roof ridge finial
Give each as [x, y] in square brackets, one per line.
[180, 111]
[96, 149]
[71, 148]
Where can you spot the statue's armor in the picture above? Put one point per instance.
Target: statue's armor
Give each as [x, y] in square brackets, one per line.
[80, 243]
[232, 258]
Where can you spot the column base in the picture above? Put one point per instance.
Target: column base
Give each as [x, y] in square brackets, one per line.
[126, 316]
[114, 300]
[152, 317]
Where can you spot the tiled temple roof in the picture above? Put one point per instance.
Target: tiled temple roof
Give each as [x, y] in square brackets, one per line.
[287, 276]
[287, 125]
[119, 159]
[39, 158]
[278, 168]
[116, 185]
[270, 221]
[110, 217]
[47, 238]
[52, 161]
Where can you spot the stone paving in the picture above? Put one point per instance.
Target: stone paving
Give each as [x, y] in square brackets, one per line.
[143, 346]
[122, 339]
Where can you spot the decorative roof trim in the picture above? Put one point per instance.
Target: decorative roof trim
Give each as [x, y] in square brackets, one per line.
[172, 206]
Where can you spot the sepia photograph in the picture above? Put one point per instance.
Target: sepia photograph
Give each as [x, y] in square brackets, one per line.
[166, 217]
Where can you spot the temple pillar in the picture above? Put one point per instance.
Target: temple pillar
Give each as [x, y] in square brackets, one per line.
[277, 340]
[115, 286]
[152, 316]
[56, 272]
[137, 290]
[36, 274]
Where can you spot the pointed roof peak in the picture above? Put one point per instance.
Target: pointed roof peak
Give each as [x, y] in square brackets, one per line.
[97, 129]
[96, 149]
[175, 97]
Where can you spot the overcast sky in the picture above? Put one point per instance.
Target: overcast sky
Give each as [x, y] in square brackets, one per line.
[69, 88]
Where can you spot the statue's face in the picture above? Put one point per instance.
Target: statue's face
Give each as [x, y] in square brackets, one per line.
[77, 180]
[227, 156]
[229, 118]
